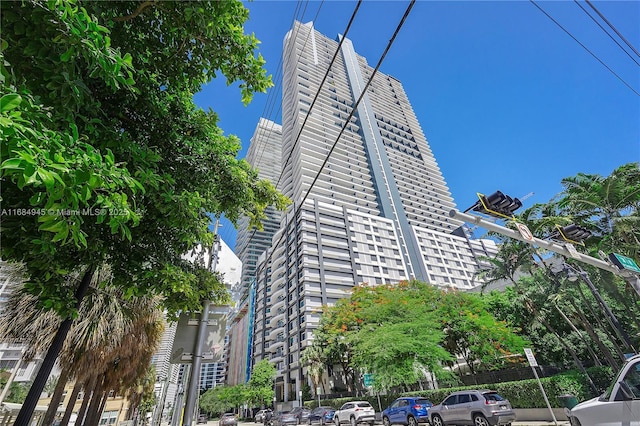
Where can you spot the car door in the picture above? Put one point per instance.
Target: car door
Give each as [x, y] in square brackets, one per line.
[343, 414]
[448, 409]
[393, 411]
[462, 410]
[401, 412]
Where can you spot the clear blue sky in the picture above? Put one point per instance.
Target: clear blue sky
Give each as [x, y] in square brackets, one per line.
[507, 100]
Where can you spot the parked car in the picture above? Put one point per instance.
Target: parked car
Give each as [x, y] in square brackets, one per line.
[322, 415]
[259, 417]
[478, 407]
[228, 419]
[355, 412]
[619, 405]
[409, 411]
[282, 418]
[302, 414]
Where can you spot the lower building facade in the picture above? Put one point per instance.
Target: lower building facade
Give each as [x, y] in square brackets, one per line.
[320, 253]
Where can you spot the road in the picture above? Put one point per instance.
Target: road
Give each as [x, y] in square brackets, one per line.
[526, 423]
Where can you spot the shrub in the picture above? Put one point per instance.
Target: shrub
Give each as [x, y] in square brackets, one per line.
[521, 394]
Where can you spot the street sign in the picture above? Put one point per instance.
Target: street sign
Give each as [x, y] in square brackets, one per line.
[524, 231]
[368, 380]
[624, 262]
[532, 359]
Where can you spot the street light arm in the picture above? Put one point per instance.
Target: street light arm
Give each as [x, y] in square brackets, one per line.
[549, 245]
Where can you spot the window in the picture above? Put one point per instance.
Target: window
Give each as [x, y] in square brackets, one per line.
[450, 401]
[109, 418]
[464, 398]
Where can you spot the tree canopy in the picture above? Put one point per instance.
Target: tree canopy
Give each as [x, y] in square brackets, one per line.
[105, 157]
[400, 333]
[562, 316]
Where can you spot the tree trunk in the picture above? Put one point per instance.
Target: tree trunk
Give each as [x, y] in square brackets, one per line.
[613, 363]
[96, 397]
[88, 387]
[29, 405]
[573, 354]
[594, 356]
[607, 330]
[103, 401]
[56, 398]
[71, 404]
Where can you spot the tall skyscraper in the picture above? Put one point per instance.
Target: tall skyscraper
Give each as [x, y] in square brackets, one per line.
[376, 212]
[264, 154]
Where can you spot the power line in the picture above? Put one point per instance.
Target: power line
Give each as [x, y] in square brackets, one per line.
[346, 31]
[347, 120]
[315, 98]
[585, 47]
[612, 27]
[606, 32]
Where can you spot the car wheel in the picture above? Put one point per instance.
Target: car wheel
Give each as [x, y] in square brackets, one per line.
[386, 421]
[480, 420]
[353, 421]
[411, 421]
[336, 420]
[436, 420]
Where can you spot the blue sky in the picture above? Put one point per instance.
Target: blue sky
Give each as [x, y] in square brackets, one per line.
[507, 100]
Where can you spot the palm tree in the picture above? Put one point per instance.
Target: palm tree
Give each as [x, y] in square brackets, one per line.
[108, 346]
[315, 360]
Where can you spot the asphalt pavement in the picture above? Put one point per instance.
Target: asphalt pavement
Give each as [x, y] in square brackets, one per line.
[523, 423]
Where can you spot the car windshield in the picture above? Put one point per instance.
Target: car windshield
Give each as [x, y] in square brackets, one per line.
[423, 402]
[492, 397]
[363, 404]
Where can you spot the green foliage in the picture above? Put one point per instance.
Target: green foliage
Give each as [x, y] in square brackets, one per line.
[260, 386]
[215, 400]
[105, 157]
[18, 392]
[401, 333]
[521, 394]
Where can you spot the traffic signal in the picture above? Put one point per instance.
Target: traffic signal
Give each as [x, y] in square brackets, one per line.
[573, 233]
[497, 205]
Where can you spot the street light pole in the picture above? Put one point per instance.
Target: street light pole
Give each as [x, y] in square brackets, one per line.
[196, 358]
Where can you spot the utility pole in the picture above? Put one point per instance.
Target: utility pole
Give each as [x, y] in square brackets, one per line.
[196, 358]
[630, 277]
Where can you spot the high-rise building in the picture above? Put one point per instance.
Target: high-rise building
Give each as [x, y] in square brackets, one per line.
[264, 154]
[373, 209]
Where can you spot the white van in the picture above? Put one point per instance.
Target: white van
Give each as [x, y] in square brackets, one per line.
[618, 406]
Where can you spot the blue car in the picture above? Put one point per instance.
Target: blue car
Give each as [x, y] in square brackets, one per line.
[409, 411]
[322, 415]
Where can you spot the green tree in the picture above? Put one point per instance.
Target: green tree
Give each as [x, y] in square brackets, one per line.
[315, 360]
[261, 383]
[109, 345]
[403, 332]
[212, 403]
[105, 157]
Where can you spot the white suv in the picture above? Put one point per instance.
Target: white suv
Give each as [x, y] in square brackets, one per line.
[619, 405]
[355, 412]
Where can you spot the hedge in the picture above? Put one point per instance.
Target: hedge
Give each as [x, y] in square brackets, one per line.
[521, 394]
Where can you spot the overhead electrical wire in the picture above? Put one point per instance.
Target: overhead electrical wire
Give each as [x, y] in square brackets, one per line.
[297, 139]
[613, 28]
[606, 32]
[272, 96]
[585, 48]
[347, 120]
[315, 98]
